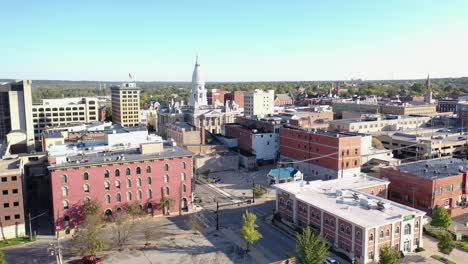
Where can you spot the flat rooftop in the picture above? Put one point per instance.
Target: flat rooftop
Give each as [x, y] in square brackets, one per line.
[375, 119]
[10, 166]
[435, 168]
[184, 125]
[323, 132]
[323, 194]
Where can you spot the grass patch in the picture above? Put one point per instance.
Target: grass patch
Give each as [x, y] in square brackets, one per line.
[437, 232]
[15, 241]
[442, 259]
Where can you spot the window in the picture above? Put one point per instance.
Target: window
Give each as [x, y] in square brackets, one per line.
[138, 182]
[106, 185]
[7, 217]
[438, 190]
[371, 237]
[416, 224]
[14, 191]
[449, 188]
[138, 170]
[127, 171]
[85, 176]
[348, 230]
[5, 192]
[166, 178]
[183, 176]
[387, 232]
[139, 196]
[407, 229]
[117, 184]
[129, 183]
[6, 205]
[381, 234]
[106, 174]
[17, 216]
[148, 169]
[14, 178]
[117, 173]
[65, 204]
[184, 188]
[16, 204]
[64, 191]
[150, 194]
[108, 199]
[64, 179]
[148, 180]
[4, 179]
[358, 234]
[184, 165]
[87, 200]
[342, 228]
[86, 188]
[166, 167]
[166, 190]
[397, 230]
[129, 196]
[118, 197]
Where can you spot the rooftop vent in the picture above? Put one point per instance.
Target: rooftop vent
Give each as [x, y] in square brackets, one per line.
[383, 206]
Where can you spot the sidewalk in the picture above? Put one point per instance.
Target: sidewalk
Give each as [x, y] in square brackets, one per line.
[255, 252]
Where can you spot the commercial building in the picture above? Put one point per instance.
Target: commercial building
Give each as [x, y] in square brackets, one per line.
[430, 183]
[326, 154]
[185, 134]
[11, 206]
[128, 166]
[126, 105]
[413, 108]
[308, 119]
[236, 97]
[282, 175]
[450, 105]
[60, 112]
[15, 111]
[259, 103]
[216, 97]
[462, 112]
[378, 124]
[352, 220]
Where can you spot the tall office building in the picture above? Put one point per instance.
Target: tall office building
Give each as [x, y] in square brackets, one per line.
[126, 105]
[259, 103]
[15, 111]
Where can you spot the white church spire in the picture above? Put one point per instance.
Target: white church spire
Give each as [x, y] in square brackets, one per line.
[198, 91]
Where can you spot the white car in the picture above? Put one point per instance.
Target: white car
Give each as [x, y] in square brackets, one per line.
[329, 260]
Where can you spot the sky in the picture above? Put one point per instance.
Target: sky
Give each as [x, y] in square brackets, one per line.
[251, 40]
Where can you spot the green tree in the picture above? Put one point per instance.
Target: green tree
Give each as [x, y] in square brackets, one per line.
[108, 113]
[92, 207]
[134, 210]
[249, 231]
[2, 258]
[121, 232]
[87, 239]
[388, 256]
[310, 248]
[445, 244]
[376, 143]
[441, 217]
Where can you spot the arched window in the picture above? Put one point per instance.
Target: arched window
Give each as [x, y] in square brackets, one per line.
[148, 169]
[64, 179]
[138, 170]
[166, 178]
[129, 183]
[138, 182]
[184, 165]
[127, 171]
[117, 184]
[129, 196]
[87, 200]
[371, 237]
[85, 176]
[184, 188]
[106, 174]
[65, 204]
[86, 188]
[387, 233]
[348, 230]
[397, 230]
[381, 233]
[118, 197]
[166, 190]
[139, 195]
[66, 220]
[166, 167]
[150, 194]
[407, 229]
[106, 185]
[108, 199]
[148, 180]
[358, 234]
[183, 176]
[342, 228]
[117, 173]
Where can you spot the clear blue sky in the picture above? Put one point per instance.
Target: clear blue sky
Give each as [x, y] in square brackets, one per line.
[237, 40]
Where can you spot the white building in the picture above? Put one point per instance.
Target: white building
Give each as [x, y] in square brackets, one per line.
[259, 103]
[379, 124]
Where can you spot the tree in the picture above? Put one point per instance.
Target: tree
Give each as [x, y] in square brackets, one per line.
[388, 256]
[3, 233]
[445, 244]
[151, 230]
[121, 232]
[108, 113]
[91, 208]
[376, 143]
[166, 204]
[249, 231]
[134, 210]
[196, 224]
[2, 258]
[310, 248]
[441, 217]
[87, 240]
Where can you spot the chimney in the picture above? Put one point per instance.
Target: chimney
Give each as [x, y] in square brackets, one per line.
[202, 136]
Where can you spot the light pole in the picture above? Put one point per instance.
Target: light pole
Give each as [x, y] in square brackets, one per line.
[56, 250]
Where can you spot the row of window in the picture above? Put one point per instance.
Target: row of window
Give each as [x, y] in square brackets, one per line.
[448, 188]
[183, 177]
[8, 218]
[7, 205]
[406, 231]
[117, 186]
[13, 178]
[13, 191]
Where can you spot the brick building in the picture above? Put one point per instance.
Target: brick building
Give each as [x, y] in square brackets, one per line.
[11, 206]
[185, 134]
[352, 220]
[308, 119]
[146, 170]
[216, 97]
[430, 183]
[236, 96]
[283, 99]
[340, 152]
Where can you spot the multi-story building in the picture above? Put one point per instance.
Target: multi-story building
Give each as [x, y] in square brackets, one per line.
[15, 111]
[450, 105]
[352, 215]
[413, 108]
[259, 103]
[462, 112]
[11, 205]
[59, 112]
[126, 105]
[326, 154]
[309, 119]
[430, 183]
[379, 124]
[185, 134]
[129, 166]
[237, 97]
[216, 97]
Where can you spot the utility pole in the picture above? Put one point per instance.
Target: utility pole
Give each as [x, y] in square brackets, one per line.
[253, 191]
[217, 215]
[30, 226]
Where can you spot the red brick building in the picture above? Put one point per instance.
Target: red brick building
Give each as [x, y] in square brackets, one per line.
[430, 183]
[216, 97]
[117, 176]
[329, 154]
[283, 99]
[236, 96]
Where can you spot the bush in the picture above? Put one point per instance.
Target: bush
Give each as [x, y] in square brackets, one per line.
[436, 232]
[259, 192]
[419, 249]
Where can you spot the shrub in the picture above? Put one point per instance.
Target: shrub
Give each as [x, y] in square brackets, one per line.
[419, 249]
[259, 192]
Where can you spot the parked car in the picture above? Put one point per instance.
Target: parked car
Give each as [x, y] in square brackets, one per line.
[330, 260]
[92, 259]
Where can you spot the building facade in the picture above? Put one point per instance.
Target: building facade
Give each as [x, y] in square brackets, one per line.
[379, 124]
[430, 183]
[184, 134]
[237, 97]
[259, 103]
[216, 97]
[283, 99]
[350, 218]
[126, 105]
